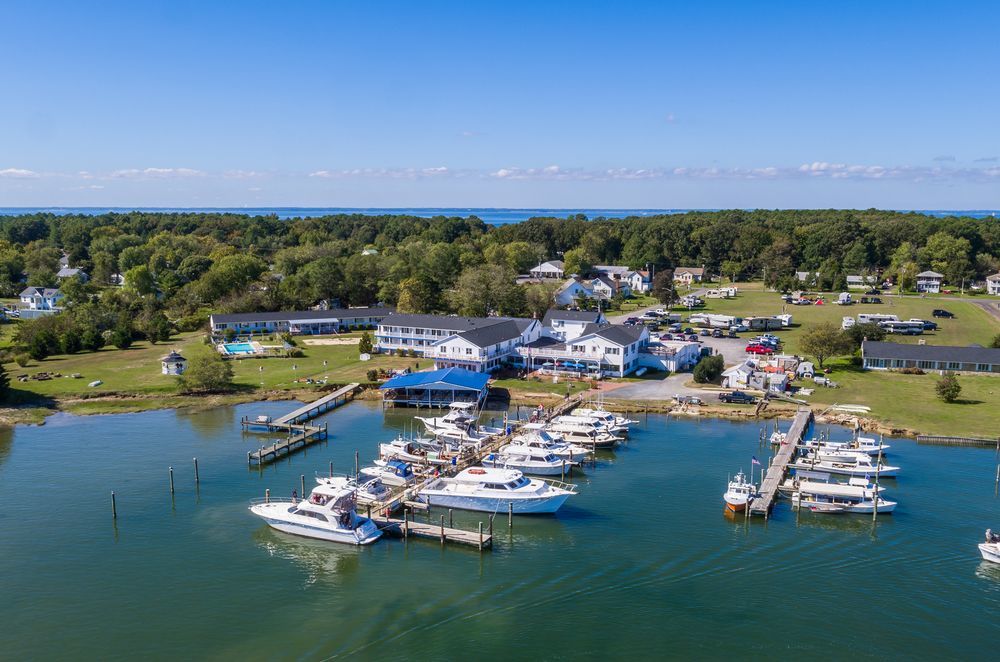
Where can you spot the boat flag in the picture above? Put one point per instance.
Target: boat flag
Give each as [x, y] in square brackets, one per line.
[754, 460]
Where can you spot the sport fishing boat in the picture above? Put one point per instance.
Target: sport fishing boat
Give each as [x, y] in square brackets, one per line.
[526, 459]
[418, 451]
[613, 424]
[857, 465]
[535, 436]
[493, 490]
[459, 424]
[584, 434]
[866, 445]
[991, 548]
[739, 494]
[391, 472]
[328, 514]
[588, 421]
[368, 491]
[816, 492]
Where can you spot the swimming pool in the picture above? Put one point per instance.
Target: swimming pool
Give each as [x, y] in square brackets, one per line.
[238, 348]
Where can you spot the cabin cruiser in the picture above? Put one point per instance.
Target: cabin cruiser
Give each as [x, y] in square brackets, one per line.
[418, 451]
[613, 424]
[866, 445]
[814, 491]
[459, 424]
[368, 491]
[589, 421]
[529, 460]
[535, 436]
[586, 434]
[391, 472]
[856, 465]
[739, 494]
[493, 490]
[991, 548]
[328, 514]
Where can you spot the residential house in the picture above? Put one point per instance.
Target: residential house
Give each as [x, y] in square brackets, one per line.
[689, 275]
[895, 356]
[636, 281]
[40, 301]
[929, 281]
[551, 269]
[993, 284]
[573, 290]
[858, 282]
[640, 281]
[569, 324]
[71, 272]
[604, 287]
[809, 278]
[606, 349]
[307, 322]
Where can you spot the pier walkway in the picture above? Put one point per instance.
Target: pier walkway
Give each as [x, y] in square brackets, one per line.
[316, 407]
[299, 436]
[779, 464]
[406, 528]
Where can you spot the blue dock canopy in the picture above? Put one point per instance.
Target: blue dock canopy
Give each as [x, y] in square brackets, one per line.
[446, 379]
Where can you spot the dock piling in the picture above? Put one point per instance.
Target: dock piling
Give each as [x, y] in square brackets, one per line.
[267, 495]
[510, 514]
[331, 468]
[442, 529]
[356, 468]
[480, 536]
[302, 484]
[114, 512]
[451, 518]
[170, 470]
[197, 478]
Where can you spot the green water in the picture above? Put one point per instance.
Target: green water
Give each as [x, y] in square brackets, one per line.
[642, 563]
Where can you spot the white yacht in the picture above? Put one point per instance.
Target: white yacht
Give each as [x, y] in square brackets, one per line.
[328, 514]
[529, 460]
[866, 445]
[391, 472]
[418, 451]
[459, 424]
[587, 433]
[816, 492]
[614, 424]
[493, 490]
[367, 491]
[856, 465]
[535, 436]
[991, 548]
[740, 493]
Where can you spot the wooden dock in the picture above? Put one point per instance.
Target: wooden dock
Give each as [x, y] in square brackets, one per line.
[316, 407]
[299, 436]
[408, 528]
[980, 442]
[779, 464]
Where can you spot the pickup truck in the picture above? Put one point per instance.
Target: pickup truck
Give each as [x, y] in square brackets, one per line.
[737, 398]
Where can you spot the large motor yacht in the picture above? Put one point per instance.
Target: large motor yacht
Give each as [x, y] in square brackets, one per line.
[495, 490]
[328, 514]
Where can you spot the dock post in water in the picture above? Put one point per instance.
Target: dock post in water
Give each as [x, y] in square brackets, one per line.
[406, 523]
[197, 478]
[114, 513]
[442, 529]
[302, 484]
[170, 470]
[491, 525]
[267, 495]
[356, 471]
[331, 468]
[451, 518]
[249, 455]
[480, 536]
[510, 514]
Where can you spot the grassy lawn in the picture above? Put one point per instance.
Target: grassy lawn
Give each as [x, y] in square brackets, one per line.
[545, 385]
[137, 370]
[971, 325]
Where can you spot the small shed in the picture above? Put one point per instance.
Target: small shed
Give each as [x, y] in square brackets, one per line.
[173, 364]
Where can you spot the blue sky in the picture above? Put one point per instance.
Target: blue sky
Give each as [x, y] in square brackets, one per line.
[513, 104]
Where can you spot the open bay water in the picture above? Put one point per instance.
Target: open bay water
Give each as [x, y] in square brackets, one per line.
[642, 562]
[489, 215]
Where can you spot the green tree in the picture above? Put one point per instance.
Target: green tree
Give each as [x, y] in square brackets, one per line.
[824, 341]
[709, 369]
[487, 289]
[416, 295]
[861, 332]
[92, 339]
[663, 287]
[4, 383]
[121, 337]
[69, 342]
[207, 372]
[43, 344]
[365, 345]
[995, 344]
[140, 280]
[948, 388]
[577, 261]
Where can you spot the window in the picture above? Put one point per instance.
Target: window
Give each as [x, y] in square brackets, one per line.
[983, 367]
[954, 365]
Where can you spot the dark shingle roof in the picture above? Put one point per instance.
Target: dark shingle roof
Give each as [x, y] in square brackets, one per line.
[293, 315]
[570, 315]
[448, 322]
[494, 333]
[616, 333]
[905, 351]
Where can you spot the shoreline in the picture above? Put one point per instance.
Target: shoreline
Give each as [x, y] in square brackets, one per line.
[135, 403]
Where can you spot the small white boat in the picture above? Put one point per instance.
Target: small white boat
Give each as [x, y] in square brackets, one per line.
[368, 491]
[613, 424]
[865, 445]
[529, 460]
[991, 548]
[536, 436]
[494, 490]
[857, 465]
[391, 472]
[328, 514]
[585, 435]
[739, 494]
[418, 451]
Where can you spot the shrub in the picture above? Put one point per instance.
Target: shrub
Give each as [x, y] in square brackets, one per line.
[296, 353]
[287, 337]
[229, 335]
[22, 359]
[70, 343]
[365, 344]
[709, 369]
[207, 372]
[372, 375]
[91, 339]
[948, 387]
[122, 337]
[192, 322]
[912, 371]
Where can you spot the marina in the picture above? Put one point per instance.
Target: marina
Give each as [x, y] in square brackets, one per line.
[778, 467]
[201, 551]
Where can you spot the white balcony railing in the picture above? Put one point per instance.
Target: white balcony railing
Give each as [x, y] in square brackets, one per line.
[545, 352]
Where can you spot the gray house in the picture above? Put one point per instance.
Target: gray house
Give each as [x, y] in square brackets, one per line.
[895, 356]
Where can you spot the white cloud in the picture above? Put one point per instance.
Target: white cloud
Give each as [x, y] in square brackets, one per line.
[19, 173]
[156, 173]
[242, 174]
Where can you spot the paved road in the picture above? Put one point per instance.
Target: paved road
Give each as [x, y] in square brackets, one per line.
[732, 349]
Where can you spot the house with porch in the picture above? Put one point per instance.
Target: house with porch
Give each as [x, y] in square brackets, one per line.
[569, 324]
[607, 287]
[552, 269]
[602, 349]
[929, 282]
[640, 281]
[306, 322]
[40, 301]
[896, 356]
[689, 275]
[483, 348]
[993, 284]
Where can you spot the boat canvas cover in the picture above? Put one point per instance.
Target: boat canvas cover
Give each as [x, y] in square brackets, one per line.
[400, 468]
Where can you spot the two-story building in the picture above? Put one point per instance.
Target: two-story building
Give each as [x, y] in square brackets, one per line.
[859, 282]
[40, 301]
[551, 269]
[689, 275]
[929, 281]
[573, 290]
[569, 324]
[604, 349]
[304, 322]
[993, 284]
[639, 281]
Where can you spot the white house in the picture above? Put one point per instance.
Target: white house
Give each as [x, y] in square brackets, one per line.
[72, 272]
[569, 324]
[610, 350]
[484, 348]
[639, 281]
[305, 322]
[550, 269]
[173, 364]
[671, 355]
[39, 301]
[606, 287]
[857, 282]
[689, 275]
[993, 284]
[929, 281]
[809, 278]
[572, 290]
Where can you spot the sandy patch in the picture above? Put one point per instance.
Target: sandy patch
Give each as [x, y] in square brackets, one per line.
[330, 341]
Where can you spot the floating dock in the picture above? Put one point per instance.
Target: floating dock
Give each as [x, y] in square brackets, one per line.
[317, 407]
[299, 436]
[407, 528]
[779, 464]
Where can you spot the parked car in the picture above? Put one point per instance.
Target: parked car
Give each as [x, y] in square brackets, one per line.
[689, 330]
[631, 321]
[732, 333]
[928, 325]
[705, 332]
[675, 327]
[759, 349]
[941, 312]
[688, 399]
[737, 398]
[692, 337]
[717, 333]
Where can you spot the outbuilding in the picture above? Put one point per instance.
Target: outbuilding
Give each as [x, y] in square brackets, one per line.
[173, 364]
